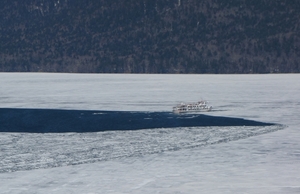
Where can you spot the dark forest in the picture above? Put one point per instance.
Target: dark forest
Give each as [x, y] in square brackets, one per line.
[150, 36]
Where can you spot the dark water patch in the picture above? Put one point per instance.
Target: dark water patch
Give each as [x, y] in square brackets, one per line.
[62, 121]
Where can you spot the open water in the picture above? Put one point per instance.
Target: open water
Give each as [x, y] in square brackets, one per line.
[238, 158]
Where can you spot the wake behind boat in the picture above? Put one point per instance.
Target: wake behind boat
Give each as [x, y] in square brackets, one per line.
[201, 106]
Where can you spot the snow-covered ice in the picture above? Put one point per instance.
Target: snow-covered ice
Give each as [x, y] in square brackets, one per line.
[182, 160]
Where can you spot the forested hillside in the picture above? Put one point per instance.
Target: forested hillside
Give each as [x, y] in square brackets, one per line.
[150, 36]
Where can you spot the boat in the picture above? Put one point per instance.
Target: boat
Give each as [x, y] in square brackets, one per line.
[201, 106]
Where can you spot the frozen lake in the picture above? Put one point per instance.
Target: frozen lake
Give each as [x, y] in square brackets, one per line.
[239, 159]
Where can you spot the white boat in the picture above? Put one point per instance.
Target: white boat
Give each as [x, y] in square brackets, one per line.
[201, 106]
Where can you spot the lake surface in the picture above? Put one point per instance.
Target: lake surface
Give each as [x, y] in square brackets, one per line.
[211, 159]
